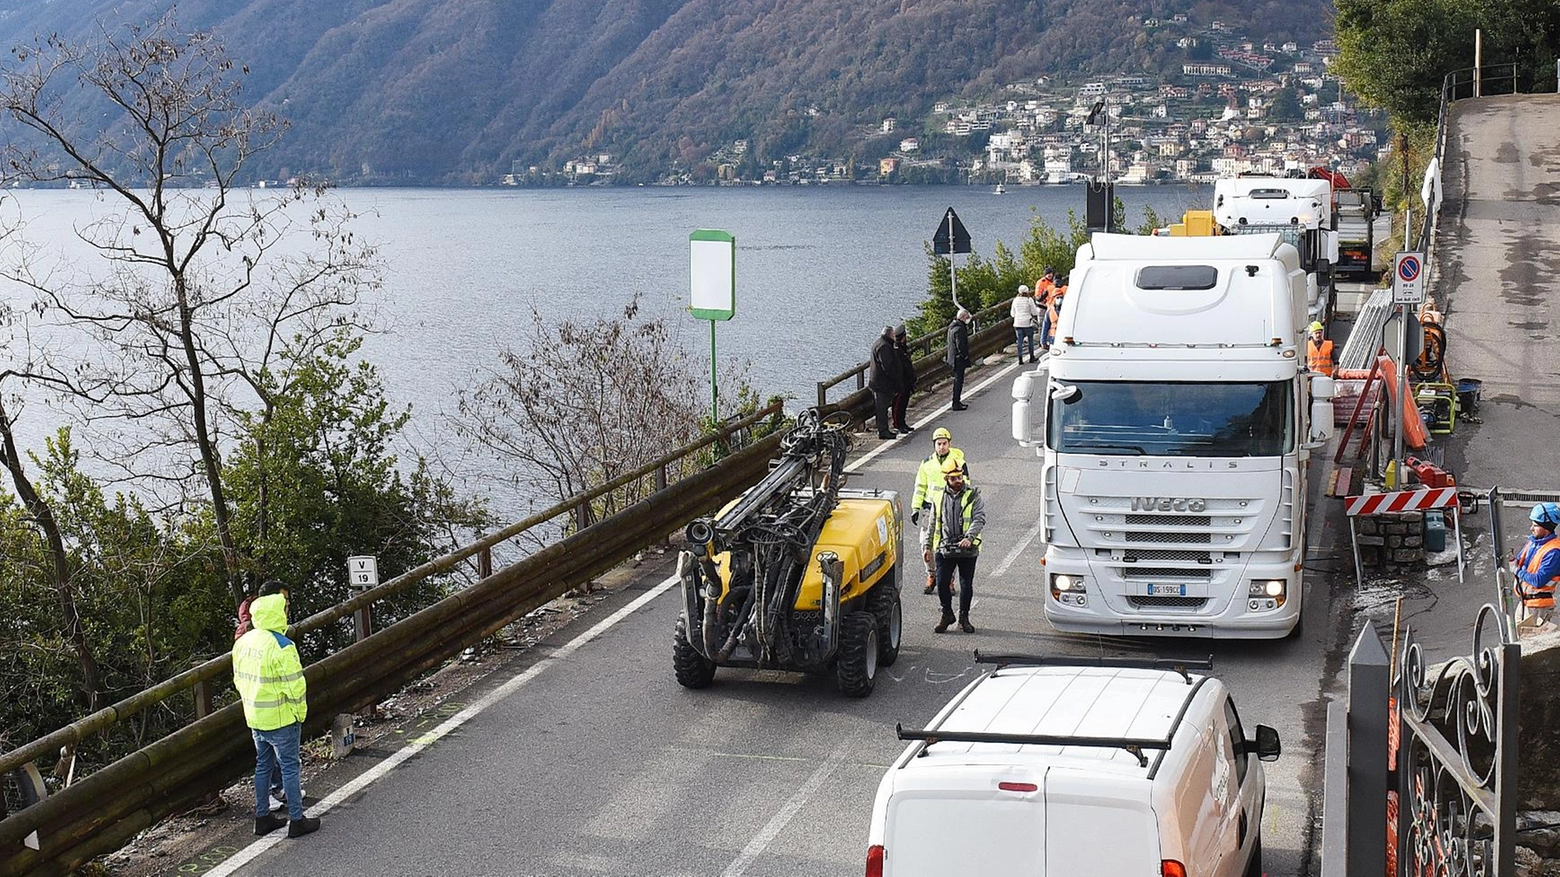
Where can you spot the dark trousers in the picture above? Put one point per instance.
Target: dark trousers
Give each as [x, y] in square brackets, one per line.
[1045, 329]
[945, 568]
[901, 402]
[881, 402]
[958, 384]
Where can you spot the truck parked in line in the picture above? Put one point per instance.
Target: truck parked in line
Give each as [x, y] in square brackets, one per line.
[1179, 417]
[1355, 216]
[1299, 210]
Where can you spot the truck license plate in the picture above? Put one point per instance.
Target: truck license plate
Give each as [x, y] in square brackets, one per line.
[1167, 590]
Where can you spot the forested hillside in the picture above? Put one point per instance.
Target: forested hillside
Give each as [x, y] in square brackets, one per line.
[462, 90]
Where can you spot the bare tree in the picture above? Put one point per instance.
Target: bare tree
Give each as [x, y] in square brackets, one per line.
[587, 402]
[202, 283]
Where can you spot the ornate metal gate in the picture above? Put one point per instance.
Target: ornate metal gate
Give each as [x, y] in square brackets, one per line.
[1456, 756]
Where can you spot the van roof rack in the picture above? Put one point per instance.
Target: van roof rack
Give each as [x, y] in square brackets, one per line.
[1182, 666]
[1133, 745]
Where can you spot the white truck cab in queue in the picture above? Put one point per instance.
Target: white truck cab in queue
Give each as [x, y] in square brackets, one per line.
[1178, 420]
[1063, 768]
[1300, 211]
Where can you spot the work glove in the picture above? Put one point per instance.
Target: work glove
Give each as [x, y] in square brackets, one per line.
[915, 517]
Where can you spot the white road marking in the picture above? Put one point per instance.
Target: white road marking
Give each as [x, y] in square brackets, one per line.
[871, 455]
[423, 741]
[788, 811]
[1017, 550]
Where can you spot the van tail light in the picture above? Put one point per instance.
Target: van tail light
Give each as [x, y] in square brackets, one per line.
[1017, 787]
[1170, 868]
[875, 860]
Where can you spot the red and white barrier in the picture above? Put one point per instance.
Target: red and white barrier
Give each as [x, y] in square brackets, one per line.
[1400, 501]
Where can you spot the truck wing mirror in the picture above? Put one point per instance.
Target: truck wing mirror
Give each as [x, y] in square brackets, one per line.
[1267, 744]
[1321, 426]
[1023, 390]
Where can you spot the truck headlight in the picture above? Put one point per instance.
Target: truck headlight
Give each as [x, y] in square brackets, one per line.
[1271, 592]
[1068, 589]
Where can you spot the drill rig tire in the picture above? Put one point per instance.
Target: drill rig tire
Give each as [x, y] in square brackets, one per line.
[883, 603]
[856, 663]
[693, 669]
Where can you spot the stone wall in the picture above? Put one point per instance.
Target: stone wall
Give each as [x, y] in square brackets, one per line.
[1391, 539]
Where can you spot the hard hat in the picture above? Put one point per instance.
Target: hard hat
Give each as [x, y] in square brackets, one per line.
[942, 432]
[952, 468]
[1023, 289]
[1545, 514]
[1316, 326]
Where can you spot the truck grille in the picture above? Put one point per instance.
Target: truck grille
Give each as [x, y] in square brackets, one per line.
[1169, 521]
[1170, 536]
[1141, 602]
[1140, 554]
[1133, 571]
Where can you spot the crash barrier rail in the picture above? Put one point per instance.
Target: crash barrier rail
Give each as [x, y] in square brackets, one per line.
[929, 367]
[1433, 750]
[578, 507]
[99, 813]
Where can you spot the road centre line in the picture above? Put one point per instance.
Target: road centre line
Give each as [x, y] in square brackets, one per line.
[423, 741]
[855, 468]
[1017, 550]
[788, 811]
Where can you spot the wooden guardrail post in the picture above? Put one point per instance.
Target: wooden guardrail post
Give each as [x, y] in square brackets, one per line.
[484, 563]
[202, 693]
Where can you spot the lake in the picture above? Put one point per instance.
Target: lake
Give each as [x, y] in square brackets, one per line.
[820, 270]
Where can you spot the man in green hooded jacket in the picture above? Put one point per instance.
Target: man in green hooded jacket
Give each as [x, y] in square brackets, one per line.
[269, 679]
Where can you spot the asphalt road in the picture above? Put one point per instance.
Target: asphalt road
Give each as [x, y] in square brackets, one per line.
[598, 763]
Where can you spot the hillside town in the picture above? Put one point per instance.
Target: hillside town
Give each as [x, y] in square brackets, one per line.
[1235, 106]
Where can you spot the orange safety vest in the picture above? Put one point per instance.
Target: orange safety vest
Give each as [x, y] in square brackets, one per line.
[1319, 357]
[1541, 596]
[1043, 289]
[1055, 305]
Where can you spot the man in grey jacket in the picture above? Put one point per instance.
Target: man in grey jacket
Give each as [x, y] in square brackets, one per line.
[958, 355]
[958, 517]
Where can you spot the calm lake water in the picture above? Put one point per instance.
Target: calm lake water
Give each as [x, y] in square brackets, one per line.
[820, 270]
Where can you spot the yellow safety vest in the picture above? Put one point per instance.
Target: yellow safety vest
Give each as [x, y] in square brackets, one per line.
[929, 478]
[266, 669]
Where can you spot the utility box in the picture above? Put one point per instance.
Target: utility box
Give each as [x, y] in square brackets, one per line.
[1435, 531]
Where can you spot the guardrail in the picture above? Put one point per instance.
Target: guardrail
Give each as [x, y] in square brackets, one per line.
[1476, 83]
[97, 814]
[927, 366]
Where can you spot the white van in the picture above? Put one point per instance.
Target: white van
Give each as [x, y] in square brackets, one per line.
[1071, 767]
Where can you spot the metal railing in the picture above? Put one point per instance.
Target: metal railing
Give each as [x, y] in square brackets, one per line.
[927, 366]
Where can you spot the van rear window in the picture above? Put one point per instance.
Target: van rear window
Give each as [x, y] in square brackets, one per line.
[1177, 277]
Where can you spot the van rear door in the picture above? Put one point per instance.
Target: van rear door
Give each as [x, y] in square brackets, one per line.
[946, 823]
[1099, 824]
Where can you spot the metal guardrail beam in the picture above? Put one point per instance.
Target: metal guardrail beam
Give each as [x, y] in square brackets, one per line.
[926, 364]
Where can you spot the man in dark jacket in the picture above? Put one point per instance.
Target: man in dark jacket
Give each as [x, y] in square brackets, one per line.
[906, 379]
[958, 355]
[883, 379]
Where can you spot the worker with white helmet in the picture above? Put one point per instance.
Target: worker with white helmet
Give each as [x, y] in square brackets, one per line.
[1538, 565]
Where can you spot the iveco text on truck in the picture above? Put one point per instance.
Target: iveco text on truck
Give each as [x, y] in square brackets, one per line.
[1178, 420]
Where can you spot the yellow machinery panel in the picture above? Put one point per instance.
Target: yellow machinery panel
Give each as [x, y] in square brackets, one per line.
[864, 532]
[1195, 223]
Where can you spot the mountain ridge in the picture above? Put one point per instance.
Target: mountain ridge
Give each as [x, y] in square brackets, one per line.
[461, 91]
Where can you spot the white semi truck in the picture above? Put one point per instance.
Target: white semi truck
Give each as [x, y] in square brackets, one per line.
[1301, 211]
[1179, 417]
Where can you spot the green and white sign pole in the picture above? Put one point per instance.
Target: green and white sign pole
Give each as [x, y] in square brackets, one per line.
[712, 273]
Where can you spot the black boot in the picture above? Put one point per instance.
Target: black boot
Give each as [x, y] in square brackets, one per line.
[964, 623]
[947, 620]
[301, 827]
[268, 823]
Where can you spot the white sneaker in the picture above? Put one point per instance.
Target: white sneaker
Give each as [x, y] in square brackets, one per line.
[281, 804]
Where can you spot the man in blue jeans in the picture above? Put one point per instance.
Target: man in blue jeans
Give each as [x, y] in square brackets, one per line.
[269, 679]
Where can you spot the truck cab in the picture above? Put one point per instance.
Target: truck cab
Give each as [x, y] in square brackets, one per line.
[1177, 420]
[1298, 210]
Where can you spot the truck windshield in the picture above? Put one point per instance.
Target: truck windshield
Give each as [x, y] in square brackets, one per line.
[1173, 419]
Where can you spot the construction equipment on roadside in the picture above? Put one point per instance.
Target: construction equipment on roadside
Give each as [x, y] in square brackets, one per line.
[797, 574]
